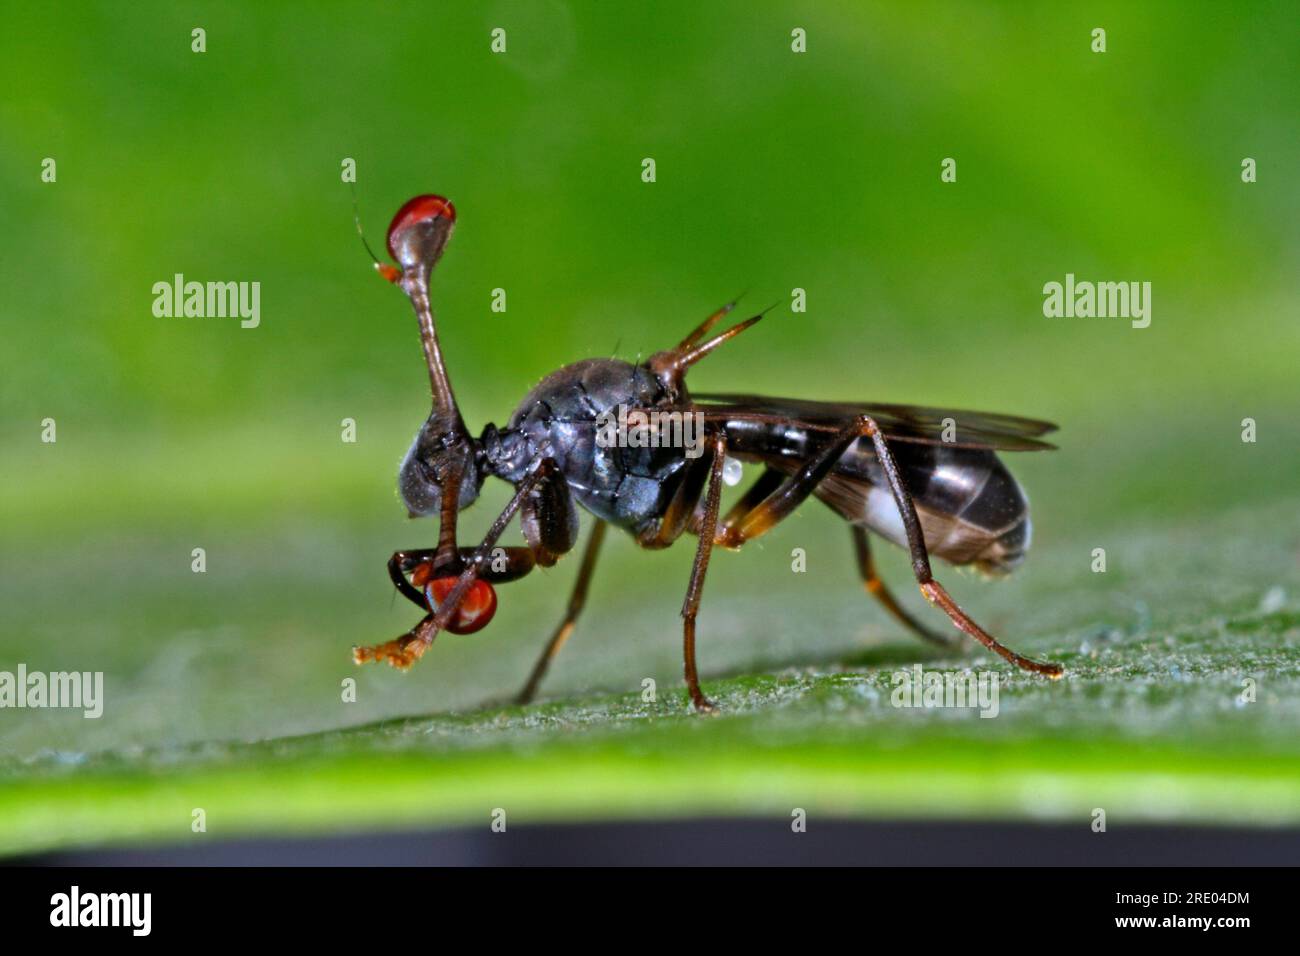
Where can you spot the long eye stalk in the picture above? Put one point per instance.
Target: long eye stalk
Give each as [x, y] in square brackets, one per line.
[444, 400]
[417, 237]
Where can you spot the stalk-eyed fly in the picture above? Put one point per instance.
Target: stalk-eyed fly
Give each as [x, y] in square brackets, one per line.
[926, 479]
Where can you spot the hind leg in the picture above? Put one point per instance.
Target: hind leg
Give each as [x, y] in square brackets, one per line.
[876, 588]
[795, 489]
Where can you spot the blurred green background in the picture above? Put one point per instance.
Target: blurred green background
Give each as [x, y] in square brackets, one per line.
[775, 170]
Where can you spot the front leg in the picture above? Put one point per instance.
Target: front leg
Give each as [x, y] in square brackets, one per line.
[506, 564]
[403, 562]
[407, 649]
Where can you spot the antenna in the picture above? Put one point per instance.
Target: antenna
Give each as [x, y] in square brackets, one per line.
[389, 272]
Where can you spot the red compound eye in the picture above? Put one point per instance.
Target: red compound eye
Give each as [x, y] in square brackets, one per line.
[420, 209]
[474, 612]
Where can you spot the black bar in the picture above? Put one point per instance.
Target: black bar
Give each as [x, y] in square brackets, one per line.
[328, 889]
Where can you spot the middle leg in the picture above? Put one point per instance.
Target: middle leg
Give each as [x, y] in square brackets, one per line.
[877, 589]
[691, 606]
[576, 602]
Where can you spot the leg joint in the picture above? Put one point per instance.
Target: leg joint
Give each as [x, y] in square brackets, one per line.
[866, 425]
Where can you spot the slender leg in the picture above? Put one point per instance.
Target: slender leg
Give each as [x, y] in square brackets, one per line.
[518, 562]
[764, 485]
[407, 649]
[449, 511]
[576, 601]
[796, 489]
[403, 561]
[877, 589]
[934, 591]
[787, 495]
[691, 606]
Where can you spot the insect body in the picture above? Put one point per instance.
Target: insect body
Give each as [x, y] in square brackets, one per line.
[629, 487]
[926, 479]
[972, 511]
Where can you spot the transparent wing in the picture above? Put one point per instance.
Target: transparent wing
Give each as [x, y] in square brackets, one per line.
[914, 423]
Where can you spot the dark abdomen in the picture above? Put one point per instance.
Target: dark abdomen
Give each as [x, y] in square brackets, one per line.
[972, 511]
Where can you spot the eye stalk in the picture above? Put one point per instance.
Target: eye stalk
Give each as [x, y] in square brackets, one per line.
[417, 237]
[442, 458]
